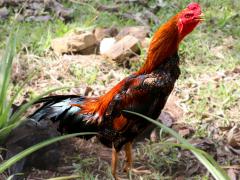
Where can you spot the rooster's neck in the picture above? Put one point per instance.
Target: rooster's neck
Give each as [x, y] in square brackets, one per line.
[163, 45]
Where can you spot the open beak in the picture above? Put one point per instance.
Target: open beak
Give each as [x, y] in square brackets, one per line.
[201, 17]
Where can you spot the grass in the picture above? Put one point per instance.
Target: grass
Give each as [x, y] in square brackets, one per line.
[207, 160]
[6, 123]
[209, 51]
[9, 119]
[88, 74]
[11, 161]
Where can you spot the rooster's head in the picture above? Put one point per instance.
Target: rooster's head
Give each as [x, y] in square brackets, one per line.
[188, 19]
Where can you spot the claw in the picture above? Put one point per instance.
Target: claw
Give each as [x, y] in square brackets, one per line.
[139, 170]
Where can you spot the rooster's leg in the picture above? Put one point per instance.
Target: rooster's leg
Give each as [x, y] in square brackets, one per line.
[129, 161]
[114, 162]
[128, 154]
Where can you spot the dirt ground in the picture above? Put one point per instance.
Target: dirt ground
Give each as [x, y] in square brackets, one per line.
[78, 155]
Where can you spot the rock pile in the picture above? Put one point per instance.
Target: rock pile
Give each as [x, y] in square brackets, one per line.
[113, 44]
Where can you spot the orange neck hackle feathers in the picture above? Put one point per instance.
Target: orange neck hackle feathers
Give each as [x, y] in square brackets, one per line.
[98, 106]
[166, 40]
[164, 43]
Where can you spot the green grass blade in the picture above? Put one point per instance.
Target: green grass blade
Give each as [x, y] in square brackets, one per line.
[12, 176]
[212, 166]
[24, 107]
[206, 155]
[5, 72]
[7, 129]
[18, 117]
[5, 165]
[7, 109]
[183, 146]
[192, 148]
[6, 62]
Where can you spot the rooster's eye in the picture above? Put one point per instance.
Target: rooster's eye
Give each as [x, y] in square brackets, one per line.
[188, 15]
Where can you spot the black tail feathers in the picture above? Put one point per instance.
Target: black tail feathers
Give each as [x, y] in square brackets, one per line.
[59, 110]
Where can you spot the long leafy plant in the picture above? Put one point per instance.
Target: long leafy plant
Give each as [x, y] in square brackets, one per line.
[206, 159]
[10, 120]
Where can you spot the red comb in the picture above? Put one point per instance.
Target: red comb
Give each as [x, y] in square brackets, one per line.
[194, 6]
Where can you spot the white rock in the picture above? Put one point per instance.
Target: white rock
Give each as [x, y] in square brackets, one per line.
[106, 44]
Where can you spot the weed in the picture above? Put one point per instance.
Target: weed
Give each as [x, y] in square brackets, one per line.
[87, 74]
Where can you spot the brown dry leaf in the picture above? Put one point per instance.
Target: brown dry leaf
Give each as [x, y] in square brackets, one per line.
[217, 51]
[193, 168]
[204, 144]
[180, 178]
[236, 70]
[233, 137]
[88, 90]
[229, 42]
[183, 129]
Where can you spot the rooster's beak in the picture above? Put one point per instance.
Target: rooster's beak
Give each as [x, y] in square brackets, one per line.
[201, 17]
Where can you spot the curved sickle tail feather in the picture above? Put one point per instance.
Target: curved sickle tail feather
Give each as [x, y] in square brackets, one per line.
[59, 110]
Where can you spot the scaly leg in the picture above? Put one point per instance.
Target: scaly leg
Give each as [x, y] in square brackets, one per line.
[114, 162]
[128, 154]
[129, 161]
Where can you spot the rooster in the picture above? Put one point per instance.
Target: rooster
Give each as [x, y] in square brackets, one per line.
[145, 91]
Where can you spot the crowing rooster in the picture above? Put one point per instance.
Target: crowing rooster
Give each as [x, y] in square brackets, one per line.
[145, 91]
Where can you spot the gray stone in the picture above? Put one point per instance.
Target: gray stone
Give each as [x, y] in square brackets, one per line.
[101, 33]
[4, 13]
[75, 43]
[123, 49]
[139, 32]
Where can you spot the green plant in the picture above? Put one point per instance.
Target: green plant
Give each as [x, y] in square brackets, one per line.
[5, 71]
[19, 156]
[87, 74]
[9, 120]
[211, 165]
